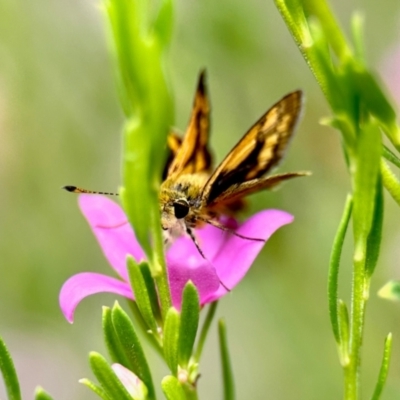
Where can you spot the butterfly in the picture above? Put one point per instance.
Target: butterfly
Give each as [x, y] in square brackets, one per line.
[192, 194]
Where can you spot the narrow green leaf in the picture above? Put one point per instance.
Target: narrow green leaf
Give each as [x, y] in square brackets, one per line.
[376, 102]
[141, 292]
[113, 344]
[357, 28]
[172, 388]
[9, 374]
[334, 267]
[41, 394]
[390, 291]
[95, 388]
[344, 333]
[133, 349]
[293, 14]
[320, 9]
[365, 178]
[151, 290]
[163, 23]
[390, 182]
[375, 235]
[390, 156]
[227, 373]
[190, 314]
[171, 337]
[140, 323]
[107, 378]
[384, 370]
[212, 308]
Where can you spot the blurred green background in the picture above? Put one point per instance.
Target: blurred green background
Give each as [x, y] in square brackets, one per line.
[60, 123]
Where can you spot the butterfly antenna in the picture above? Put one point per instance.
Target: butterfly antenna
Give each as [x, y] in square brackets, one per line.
[75, 189]
[233, 232]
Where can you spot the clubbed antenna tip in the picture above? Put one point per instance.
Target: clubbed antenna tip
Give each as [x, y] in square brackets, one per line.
[75, 189]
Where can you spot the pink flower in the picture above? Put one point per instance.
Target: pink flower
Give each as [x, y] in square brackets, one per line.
[390, 70]
[228, 257]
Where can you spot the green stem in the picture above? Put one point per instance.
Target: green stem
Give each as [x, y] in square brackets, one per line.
[204, 330]
[227, 373]
[360, 290]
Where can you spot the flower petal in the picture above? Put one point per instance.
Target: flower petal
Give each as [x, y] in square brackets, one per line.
[112, 230]
[186, 263]
[85, 284]
[236, 254]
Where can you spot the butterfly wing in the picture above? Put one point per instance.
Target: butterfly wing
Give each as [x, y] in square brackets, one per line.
[174, 142]
[260, 149]
[192, 154]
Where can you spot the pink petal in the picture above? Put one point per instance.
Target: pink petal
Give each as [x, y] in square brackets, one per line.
[185, 263]
[390, 68]
[79, 286]
[236, 254]
[112, 230]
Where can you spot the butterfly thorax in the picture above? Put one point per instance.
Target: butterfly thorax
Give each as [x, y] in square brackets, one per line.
[181, 203]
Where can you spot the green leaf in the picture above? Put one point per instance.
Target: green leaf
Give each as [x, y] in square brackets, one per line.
[376, 102]
[384, 370]
[390, 156]
[334, 267]
[375, 235]
[190, 314]
[95, 388]
[140, 323]
[41, 394]
[344, 333]
[293, 14]
[142, 295]
[319, 9]
[212, 308]
[227, 373]
[390, 291]
[133, 349]
[171, 337]
[163, 23]
[114, 347]
[390, 182]
[107, 378]
[357, 28]
[172, 388]
[365, 178]
[9, 374]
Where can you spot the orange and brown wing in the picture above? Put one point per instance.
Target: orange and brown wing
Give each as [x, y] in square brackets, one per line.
[260, 149]
[193, 155]
[174, 142]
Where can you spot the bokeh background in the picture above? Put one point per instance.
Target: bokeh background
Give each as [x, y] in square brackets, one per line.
[60, 123]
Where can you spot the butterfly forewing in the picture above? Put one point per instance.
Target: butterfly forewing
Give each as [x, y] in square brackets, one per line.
[193, 155]
[261, 149]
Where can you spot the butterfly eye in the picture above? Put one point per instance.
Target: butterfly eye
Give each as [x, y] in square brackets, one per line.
[181, 209]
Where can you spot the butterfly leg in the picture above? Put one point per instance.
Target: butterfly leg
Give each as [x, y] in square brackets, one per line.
[193, 237]
[196, 243]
